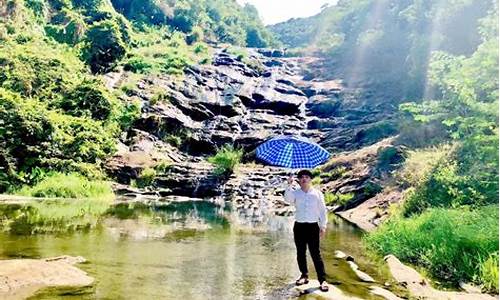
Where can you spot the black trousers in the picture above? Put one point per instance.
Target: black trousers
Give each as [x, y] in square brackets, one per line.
[307, 235]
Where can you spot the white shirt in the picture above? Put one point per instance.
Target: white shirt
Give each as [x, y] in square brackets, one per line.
[309, 206]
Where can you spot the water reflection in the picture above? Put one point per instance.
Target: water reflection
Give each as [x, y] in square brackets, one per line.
[190, 250]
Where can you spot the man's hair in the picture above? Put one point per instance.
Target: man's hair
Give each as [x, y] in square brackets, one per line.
[305, 172]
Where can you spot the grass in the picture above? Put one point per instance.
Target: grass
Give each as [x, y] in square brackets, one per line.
[72, 185]
[451, 244]
[337, 198]
[489, 273]
[226, 160]
[146, 178]
[169, 56]
[419, 164]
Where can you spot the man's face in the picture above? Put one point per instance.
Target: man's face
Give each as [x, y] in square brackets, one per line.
[304, 180]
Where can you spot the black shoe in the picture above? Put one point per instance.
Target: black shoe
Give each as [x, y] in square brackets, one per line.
[302, 280]
[323, 286]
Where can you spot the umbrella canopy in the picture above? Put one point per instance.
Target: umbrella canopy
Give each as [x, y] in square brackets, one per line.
[292, 152]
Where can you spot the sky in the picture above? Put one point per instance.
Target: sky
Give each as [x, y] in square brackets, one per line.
[275, 11]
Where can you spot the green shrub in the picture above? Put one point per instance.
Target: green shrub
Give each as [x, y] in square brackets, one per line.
[159, 95]
[419, 164]
[163, 166]
[69, 27]
[489, 273]
[146, 178]
[39, 70]
[450, 243]
[89, 99]
[226, 160]
[130, 112]
[337, 198]
[138, 64]
[103, 46]
[461, 178]
[33, 136]
[240, 53]
[173, 140]
[71, 185]
[388, 158]
[334, 173]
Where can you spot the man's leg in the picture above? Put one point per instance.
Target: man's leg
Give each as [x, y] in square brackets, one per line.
[313, 243]
[300, 237]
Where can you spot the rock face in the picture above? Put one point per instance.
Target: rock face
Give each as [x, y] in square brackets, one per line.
[20, 278]
[243, 103]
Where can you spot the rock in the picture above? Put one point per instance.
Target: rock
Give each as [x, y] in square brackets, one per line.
[368, 214]
[312, 288]
[265, 94]
[469, 288]
[352, 264]
[317, 123]
[20, 278]
[419, 287]
[165, 119]
[191, 179]
[340, 254]
[324, 107]
[363, 276]
[388, 295]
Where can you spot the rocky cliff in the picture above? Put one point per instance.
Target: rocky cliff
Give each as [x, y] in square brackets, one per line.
[243, 102]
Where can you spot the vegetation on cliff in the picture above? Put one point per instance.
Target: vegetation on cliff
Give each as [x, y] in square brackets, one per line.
[57, 114]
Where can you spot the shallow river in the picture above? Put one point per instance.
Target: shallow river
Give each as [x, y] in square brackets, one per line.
[193, 250]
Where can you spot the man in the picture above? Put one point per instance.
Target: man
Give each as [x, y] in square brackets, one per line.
[310, 225]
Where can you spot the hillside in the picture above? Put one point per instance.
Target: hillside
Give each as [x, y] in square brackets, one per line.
[387, 44]
[57, 113]
[167, 101]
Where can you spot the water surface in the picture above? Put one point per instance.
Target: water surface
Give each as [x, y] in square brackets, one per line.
[192, 250]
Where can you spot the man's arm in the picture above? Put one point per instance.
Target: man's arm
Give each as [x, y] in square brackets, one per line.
[323, 218]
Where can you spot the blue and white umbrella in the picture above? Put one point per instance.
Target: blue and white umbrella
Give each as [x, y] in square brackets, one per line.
[292, 152]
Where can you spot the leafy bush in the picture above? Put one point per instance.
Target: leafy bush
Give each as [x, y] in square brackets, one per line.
[138, 64]
[146, 177]
[39, 70]
[338, 198]
[456, 180]
[451, 244]
[33, 136]
[89, 99]
[419, 164]
[103, 46]
[226, 160]
[129, 113]
[173, 140]
[69, 27]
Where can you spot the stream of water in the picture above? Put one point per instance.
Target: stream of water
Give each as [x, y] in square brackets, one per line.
[192, 250]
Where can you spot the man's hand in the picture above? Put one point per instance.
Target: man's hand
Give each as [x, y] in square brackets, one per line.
[322, 232]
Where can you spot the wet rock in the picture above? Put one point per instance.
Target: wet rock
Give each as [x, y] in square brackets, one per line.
[312, 288]
[340, 254]
[20, 278]
[191, 179]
